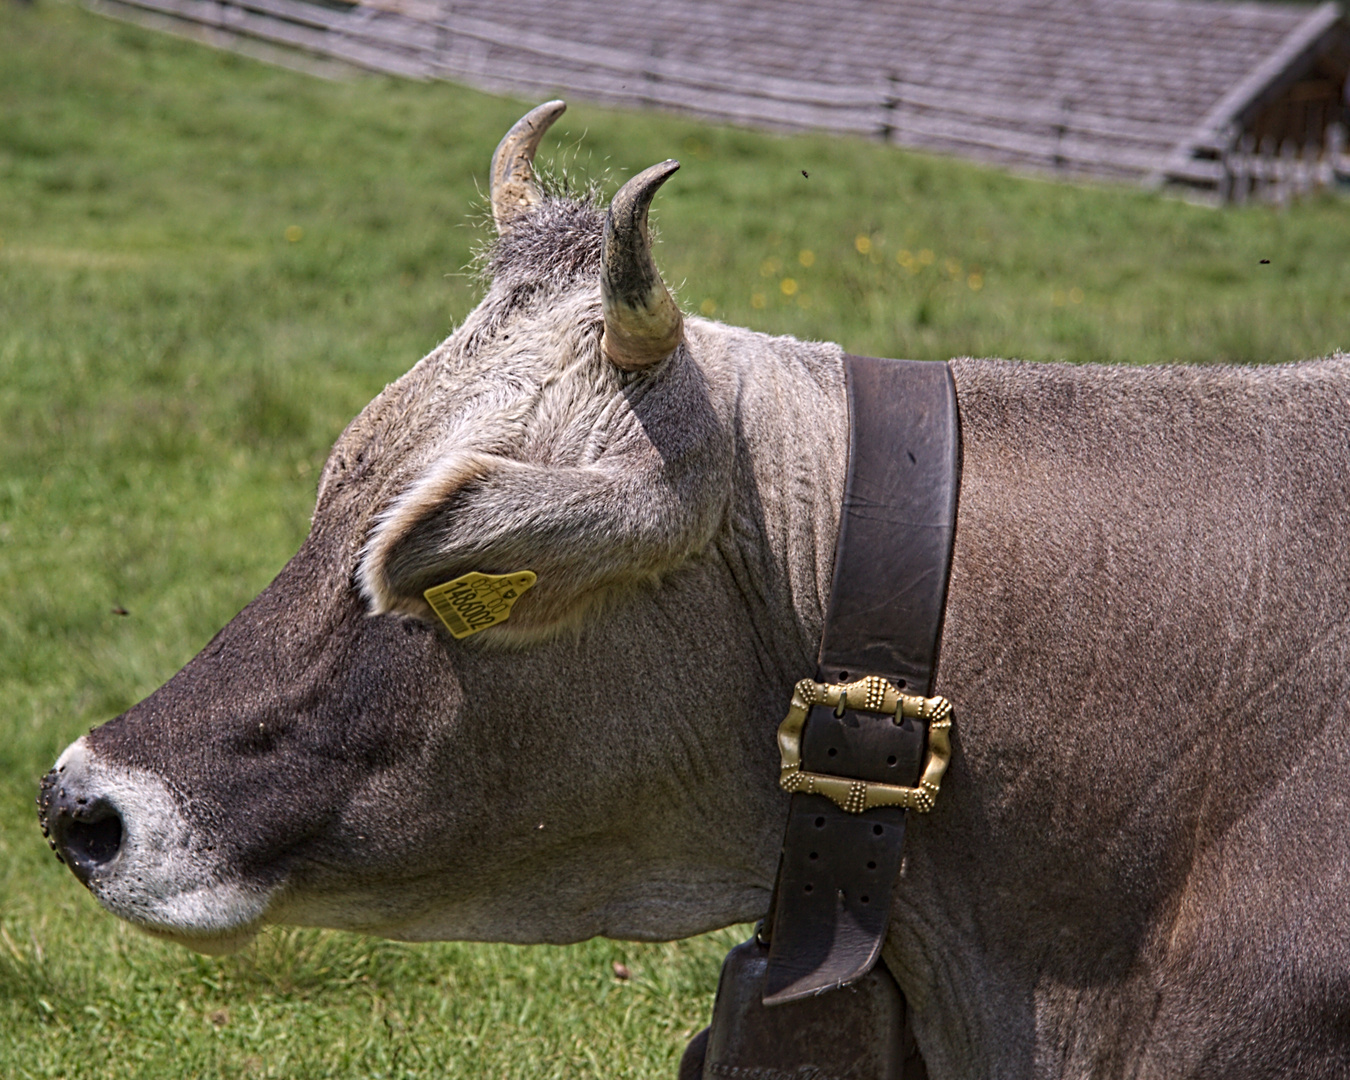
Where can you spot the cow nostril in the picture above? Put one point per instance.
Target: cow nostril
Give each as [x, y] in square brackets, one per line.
[83, 827]
[94, 843]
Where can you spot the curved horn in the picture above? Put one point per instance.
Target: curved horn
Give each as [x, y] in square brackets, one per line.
[512, 184]
[642, 324]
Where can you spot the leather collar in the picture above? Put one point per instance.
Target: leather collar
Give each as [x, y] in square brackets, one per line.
[838, 870]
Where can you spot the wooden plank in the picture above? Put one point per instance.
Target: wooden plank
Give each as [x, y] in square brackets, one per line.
[1006, 111]
[360, 24]
[268, 28]
[305, 62]
[1047, 151]
[1198, 172]
[506, 75]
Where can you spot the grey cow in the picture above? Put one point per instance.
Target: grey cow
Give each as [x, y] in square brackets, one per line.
[1140, 861]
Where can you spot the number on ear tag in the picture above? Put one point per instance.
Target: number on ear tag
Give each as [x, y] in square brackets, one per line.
[476, 601]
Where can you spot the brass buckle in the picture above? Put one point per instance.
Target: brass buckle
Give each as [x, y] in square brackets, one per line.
[871, 694]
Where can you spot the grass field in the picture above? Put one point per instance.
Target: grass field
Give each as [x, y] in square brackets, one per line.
[208, 266]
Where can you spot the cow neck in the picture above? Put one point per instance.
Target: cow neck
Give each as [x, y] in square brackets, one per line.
[838, 870]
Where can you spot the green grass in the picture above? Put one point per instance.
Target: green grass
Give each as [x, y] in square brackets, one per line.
[173, 369]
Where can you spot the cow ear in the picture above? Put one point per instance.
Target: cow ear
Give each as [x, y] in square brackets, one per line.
[587, 532]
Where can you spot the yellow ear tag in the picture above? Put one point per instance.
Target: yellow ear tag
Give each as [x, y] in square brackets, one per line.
[476, 601]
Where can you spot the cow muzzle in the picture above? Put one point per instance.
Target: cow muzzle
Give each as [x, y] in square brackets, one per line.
[84, 829]
[123, 834]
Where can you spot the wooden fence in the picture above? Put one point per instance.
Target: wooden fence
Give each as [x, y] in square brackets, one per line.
[426, 39]
[1279, 174]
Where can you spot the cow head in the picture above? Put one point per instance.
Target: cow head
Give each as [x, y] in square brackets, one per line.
[600, 762]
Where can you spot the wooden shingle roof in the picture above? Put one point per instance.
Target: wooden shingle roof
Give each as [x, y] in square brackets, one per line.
[1122, 87]
[1130, 88]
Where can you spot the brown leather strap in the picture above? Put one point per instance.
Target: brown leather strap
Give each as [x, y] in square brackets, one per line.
[895, 535]
[838, 870]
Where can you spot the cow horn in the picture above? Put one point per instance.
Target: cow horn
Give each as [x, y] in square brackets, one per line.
[642, 324]
[512, 185]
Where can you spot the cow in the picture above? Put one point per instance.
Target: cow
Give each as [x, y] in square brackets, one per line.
[1139, 864]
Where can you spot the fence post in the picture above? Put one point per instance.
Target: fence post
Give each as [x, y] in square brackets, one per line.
[1308, 167]
[1286, 170]
[1065, 109]
[441, 56]
[1226, 180]
[1338, 163]
[651, 75]
[1263, 166]
[890, 102]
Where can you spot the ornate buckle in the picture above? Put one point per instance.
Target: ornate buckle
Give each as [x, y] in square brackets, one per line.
[871, 694]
